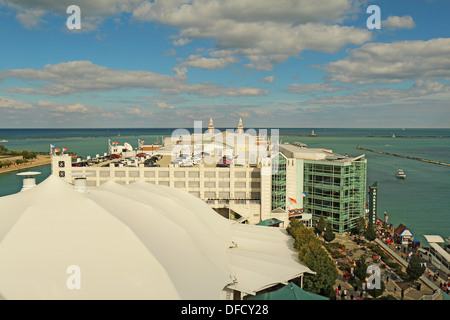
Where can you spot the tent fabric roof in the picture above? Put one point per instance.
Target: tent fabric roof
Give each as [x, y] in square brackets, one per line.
[139, 241]
[433, 238]
[288, 292]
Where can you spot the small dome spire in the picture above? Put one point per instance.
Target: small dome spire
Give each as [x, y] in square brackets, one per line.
[240, 126]
[211, 126]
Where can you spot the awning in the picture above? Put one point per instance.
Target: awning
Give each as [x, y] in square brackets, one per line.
[270, 222]
[289, 292]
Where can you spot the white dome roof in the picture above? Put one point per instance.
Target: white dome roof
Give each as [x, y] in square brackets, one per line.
[139, 241]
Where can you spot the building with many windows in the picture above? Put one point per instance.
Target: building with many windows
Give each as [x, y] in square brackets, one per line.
[283, 181]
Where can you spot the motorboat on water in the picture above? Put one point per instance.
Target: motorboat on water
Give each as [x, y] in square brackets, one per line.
[400, 174]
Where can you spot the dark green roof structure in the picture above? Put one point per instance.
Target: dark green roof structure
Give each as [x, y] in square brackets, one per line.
[269, 222]
[289, 292]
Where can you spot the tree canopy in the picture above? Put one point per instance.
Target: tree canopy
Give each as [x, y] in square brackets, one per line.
[315, 257]
[415, 269]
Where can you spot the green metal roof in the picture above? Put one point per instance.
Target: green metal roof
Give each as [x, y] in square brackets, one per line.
[269, 222]
[289, 292]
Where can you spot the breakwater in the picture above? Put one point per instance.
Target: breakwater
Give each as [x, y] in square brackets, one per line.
[403, 156]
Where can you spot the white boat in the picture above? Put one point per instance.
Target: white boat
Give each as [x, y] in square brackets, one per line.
[400, 174]
[3, 140]
[313, 134]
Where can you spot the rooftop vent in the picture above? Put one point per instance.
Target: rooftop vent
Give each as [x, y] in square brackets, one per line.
[80, 183]
[29, 179]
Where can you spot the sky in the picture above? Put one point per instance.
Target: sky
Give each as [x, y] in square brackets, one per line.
[273, 63]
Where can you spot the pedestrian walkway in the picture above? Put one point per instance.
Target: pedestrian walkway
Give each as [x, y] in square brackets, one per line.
[394, 288]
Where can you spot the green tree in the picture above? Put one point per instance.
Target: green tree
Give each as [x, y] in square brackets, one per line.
[370, 233]
[375, 293]
[329, 234]
[317, 259]
[361, 269]
[360, 226]
[321, 224]
[304, 237]
[414, 268]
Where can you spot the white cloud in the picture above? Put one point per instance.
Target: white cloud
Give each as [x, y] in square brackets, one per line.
[181, 42]
[395, 22]
[31, 12]
[31, 19]
[263, 31]
[315, 87]
[269, 79]
[393, 62]
[422, 89]
[164, 105]
[13, 104]
[84, 76]
[197, 61]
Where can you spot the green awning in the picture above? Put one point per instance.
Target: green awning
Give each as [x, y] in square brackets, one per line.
[269, 222]
[289, 292]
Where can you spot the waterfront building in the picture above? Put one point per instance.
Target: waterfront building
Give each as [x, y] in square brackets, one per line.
[264, 179]
[436, 254]
[402, 235]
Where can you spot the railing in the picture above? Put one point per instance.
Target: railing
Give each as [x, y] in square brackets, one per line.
[423, 278]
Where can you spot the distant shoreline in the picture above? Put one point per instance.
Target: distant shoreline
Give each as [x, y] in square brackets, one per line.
[42, 160]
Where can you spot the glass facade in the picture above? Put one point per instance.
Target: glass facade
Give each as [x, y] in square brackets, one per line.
[336, 190]
[279, 182]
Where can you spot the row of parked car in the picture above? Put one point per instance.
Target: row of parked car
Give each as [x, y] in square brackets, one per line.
[185, 160]
[151, 162]
[188, 161]
[90, 162]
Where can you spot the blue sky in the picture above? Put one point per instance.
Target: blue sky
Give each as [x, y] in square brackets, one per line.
[273, 63]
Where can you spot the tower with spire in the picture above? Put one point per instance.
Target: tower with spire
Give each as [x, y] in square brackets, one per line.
[240, 128]
[211, 126]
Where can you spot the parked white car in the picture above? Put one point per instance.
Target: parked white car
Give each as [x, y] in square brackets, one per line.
[187, 163]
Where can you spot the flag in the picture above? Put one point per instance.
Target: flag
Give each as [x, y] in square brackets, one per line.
[303, 194]
[57, 150]
[64, 149]
[293, 200]
[52, 146]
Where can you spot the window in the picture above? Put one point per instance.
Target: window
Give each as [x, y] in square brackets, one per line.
[210, 184]
[179, 184]
[210, 174]
[179, 174]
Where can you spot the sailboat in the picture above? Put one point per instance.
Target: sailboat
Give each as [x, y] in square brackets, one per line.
[313, 134]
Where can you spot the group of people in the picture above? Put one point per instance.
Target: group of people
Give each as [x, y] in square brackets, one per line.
[343, 294]
[444, 286]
